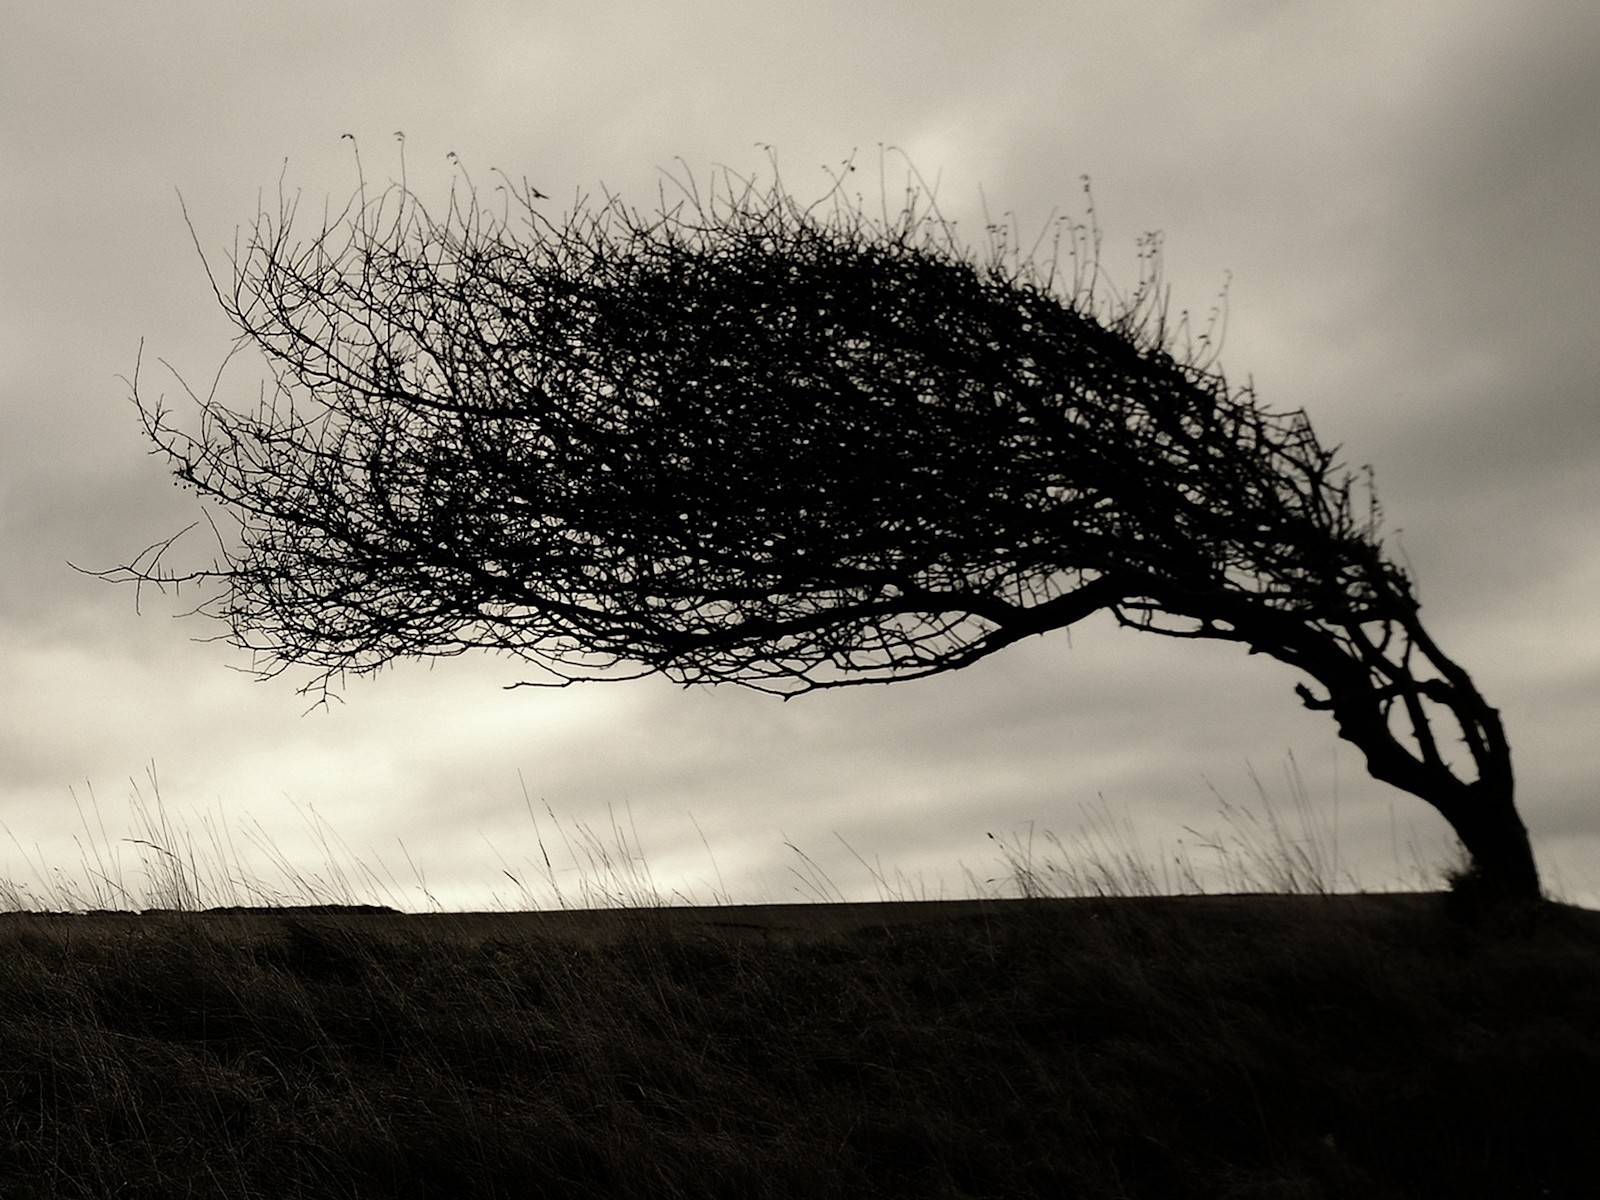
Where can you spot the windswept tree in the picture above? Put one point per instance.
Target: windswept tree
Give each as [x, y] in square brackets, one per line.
[744, 440]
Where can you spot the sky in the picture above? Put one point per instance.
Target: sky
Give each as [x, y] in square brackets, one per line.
[1402, 200]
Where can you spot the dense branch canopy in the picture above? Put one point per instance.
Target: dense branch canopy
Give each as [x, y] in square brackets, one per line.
[739, 440]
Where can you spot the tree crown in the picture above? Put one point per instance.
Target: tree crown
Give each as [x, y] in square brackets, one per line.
[740, 439]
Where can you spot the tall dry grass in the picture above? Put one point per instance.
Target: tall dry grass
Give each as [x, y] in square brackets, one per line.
[161, 862]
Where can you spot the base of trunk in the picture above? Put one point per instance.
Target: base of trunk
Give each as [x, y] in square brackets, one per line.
[1500, 872]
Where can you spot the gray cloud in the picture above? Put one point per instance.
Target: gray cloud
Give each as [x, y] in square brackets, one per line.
[1403, 194]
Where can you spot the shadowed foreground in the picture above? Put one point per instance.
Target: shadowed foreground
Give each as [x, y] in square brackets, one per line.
[1265, 1046]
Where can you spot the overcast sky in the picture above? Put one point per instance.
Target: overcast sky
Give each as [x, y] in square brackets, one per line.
[1406, 196]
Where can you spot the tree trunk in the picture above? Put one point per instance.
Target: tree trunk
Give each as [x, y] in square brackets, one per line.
[1377, 679]
[1502, 869]
[1364, 686]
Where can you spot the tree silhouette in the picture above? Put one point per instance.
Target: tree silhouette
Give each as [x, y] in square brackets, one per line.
[743, 440]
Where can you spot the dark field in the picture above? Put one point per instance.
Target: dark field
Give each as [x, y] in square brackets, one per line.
[1261, 1046]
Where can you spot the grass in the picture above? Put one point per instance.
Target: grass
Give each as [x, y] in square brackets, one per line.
[203, 864]
[1113, 1042]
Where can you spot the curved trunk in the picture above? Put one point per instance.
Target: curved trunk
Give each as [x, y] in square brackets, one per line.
[1386, 685]
[1482, 813]
[1374, 686]
[1497, 841]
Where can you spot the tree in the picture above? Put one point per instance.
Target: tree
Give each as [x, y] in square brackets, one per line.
[742, 440]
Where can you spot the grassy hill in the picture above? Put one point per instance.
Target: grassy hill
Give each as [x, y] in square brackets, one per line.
[1209, 1046]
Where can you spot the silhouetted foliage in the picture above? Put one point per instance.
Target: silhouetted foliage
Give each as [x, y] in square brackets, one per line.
[745, 440]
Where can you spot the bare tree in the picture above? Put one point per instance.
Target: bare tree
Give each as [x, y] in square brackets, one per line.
[742, 440]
